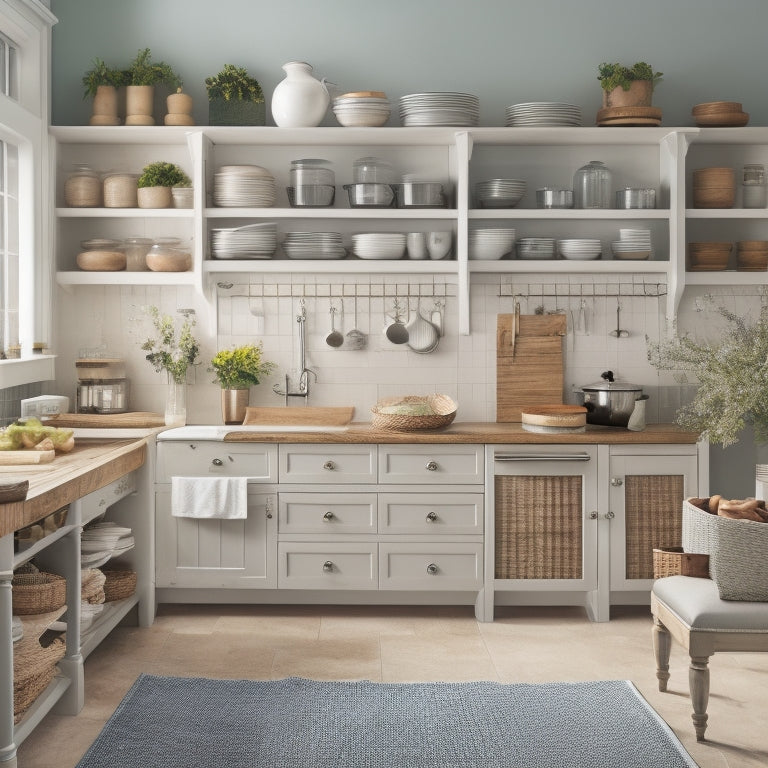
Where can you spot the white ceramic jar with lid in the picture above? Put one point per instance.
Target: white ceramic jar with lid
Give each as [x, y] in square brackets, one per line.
[300, 100]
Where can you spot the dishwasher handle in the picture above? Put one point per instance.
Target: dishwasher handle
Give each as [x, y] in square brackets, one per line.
[541, 457]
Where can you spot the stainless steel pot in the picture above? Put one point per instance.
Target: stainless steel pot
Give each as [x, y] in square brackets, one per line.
[610, 402]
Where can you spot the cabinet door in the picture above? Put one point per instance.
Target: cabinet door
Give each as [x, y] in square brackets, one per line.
[431, 464]
[203, 553]
[334, 513]
[646, 500]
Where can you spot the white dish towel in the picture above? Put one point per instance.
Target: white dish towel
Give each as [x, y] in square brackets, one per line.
[222, 498]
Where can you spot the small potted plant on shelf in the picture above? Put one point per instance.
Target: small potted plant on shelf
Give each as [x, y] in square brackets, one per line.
[155, 182]
[142, 76]
[627, 86]
[101, 83]
[236, 370]
[235, 98]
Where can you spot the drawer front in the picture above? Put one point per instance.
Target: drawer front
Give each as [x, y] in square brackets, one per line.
[97, 502]
[327, 513]
[257, 462]
[438, 464]
[328, 464]
[431, 566]
[327, 566]
[431, 513]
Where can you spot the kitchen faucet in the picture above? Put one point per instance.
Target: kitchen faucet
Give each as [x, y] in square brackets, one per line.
[302, 387]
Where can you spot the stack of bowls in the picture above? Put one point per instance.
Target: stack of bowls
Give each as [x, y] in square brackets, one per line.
[632, 244]
[708, 256]
[580, 249]
[536, 248]
[490, 244]
[713, 114]
[379, 245]
[752, 255]
[499, 193]
[714, 188]
[552, 197]
[362, 109]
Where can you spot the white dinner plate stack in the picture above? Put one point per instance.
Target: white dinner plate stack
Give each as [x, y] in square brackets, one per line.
[362, 109]
[379, 245]
[580, 249]
[536, 248]
[101, 541]
[541, 113]
[490, 244]
[244, 186]
[253, 241]
[633, 244]
[314, 245]
[427, 109]
[499, 193]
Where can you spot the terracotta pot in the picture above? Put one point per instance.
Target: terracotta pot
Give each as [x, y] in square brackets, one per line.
[154, 197]
[233, 405]
[639, 95]
[139, 100]
[104, 109]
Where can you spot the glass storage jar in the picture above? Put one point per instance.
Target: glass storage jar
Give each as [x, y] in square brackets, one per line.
[754, 189]
[136, 250]
[372, 170]
[83, 189]
[169, 254]
[592, 186]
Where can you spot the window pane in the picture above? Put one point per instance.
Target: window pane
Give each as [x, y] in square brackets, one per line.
[9, 247]
[13, 89]
[3, 67]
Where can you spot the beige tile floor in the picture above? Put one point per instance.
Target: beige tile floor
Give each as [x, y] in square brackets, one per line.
[394, 644]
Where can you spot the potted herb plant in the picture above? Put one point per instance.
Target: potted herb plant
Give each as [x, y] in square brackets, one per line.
[155, 182]
[235, 98]
[236, 370]
[627, 86]
[142, 76]
[101, 83]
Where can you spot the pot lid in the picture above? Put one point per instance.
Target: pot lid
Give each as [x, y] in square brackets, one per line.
[610, 385]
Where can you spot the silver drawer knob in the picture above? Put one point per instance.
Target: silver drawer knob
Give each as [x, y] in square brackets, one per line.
[217, 463]
[327, 566]
[431, 517]
[610, 515]
[432, 569]
[329, 465]
[432, 466]
[328, 516]
[593, 515]
[616, 482]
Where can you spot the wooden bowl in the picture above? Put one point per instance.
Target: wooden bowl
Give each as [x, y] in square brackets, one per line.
[716, 107]
[101, 261]
[751, 261]
[752, 245]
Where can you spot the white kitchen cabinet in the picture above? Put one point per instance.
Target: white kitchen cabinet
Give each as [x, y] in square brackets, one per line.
[327, 464]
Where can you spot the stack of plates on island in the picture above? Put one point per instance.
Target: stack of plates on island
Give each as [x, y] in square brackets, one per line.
[244, 186]
[535, 113]
[536, 248]
[554, 419]
[313, 245]
[362, 108]
[88, 611]
[17, 629]
[101, 541]
[490, 244]
[253, 241]
[379, 245]
[499, 193]
[462, 109]
[632, 244]
[580, 250]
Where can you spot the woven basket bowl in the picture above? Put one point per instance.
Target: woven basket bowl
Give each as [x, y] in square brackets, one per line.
[714, 197]
[672, 561]
[33, 669]
[443, 406]
[119, 584]
[38, 593]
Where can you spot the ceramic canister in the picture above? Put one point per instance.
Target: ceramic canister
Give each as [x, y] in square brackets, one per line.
[300, 100]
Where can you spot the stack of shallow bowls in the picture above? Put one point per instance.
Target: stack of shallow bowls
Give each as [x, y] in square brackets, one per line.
[708, 256]
[551, 197]
[580, 249]
[427, 109]
[419, 194]
[363, 109]
[536, 248]
[722, 114]
[714, 188]
[499, 193]
[543, 113]
[490, 244]
[379, 245]
[243, 186]
[313, 245]
[752, 255]
[632, 244]
[253, 241]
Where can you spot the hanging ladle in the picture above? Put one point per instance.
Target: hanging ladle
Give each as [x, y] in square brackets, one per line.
[334, 338]
[619, 333]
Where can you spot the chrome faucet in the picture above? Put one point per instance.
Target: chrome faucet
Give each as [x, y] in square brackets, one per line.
[301, 387]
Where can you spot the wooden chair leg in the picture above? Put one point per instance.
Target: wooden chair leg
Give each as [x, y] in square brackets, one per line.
[662, 645]
[698, 678]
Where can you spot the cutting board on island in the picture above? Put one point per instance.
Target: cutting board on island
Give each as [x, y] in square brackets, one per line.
[529, 363]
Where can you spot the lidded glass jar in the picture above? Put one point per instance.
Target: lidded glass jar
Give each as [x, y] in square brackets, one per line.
[372, 170]
[83, 188]
[592, 185]
[754, 189]
[136, 250]
[311, 171]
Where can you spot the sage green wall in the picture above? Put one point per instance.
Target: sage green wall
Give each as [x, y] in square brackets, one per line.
[504, 51]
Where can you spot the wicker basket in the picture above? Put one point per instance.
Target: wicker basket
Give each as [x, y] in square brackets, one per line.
[33, 669]
[444, 413]
[38, 593]
[673, 561]
[119, 584]
[120, 191]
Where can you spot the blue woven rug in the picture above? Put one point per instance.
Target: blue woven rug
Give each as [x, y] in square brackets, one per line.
[166, 722]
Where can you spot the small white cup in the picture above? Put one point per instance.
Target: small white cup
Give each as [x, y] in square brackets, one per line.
[416, 243]
[439, 244]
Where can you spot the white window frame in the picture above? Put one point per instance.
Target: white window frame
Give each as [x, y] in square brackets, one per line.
[24, 122]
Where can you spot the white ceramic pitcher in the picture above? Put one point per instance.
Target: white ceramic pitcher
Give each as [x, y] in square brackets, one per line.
[300, 100]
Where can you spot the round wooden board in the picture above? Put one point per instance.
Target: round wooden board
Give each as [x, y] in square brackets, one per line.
[618, 112]
[722, 120]
[555, 416]
[710, 107]
[629, 121]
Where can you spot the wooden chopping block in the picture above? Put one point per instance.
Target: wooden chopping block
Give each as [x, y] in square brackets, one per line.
[8, 458]
[320, 416]
[99, 420]
[529, 363]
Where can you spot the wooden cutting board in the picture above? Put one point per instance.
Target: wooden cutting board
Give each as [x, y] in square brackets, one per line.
[320, 416]
[14, 458]
[100, 420]
[529, 363]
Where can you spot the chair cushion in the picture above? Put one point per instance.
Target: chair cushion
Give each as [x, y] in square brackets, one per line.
[697, 603]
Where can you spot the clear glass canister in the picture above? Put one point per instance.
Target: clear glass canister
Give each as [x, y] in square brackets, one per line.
[592, 185]
[372, 170]
[754, 188]
[136, 250]
[83, 188]
[310, 172]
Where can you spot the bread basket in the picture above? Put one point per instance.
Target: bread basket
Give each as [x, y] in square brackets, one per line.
[392, 414]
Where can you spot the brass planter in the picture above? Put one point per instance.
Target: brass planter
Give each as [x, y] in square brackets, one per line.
[233, 405]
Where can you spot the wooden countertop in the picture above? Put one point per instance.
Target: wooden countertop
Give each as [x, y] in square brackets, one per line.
[478, 432]
[92, 464]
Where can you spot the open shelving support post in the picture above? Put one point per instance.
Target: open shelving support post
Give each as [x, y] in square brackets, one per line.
[463, 155]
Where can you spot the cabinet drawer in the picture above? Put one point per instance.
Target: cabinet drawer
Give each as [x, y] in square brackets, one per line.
[257, 462]
[431, 513]
[438, 464]
[327, 566]
[97, 502]
[327, 513]
[328, 464]
[431, 566]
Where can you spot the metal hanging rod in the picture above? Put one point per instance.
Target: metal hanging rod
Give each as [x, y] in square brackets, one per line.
[650, 291]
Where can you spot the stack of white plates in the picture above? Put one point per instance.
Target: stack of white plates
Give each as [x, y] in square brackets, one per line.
[253, 241]
[362, 109]
[535, 113]
[17, 629]
[490, 244]
[462, 109]
[632, 244]
[536, 248]
[314, 245]
[580, 250]
[379, 245]
[499, 193]
[243, 186]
